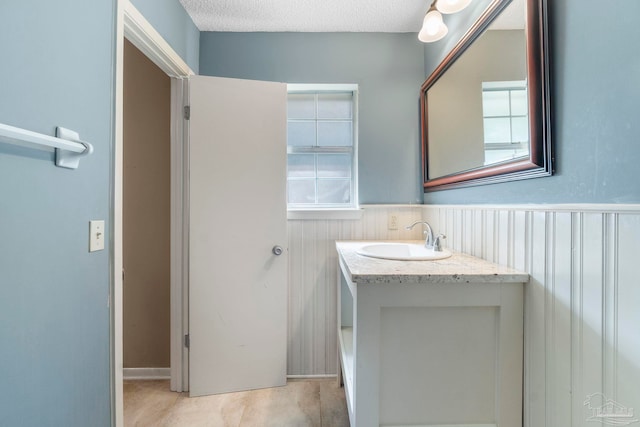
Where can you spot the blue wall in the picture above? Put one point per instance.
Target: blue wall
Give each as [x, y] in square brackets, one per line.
[595, 103]
[170, 19]
[389, 69]
[58, 69]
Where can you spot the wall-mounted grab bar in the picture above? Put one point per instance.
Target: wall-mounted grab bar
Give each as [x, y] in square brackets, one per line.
[66, 144]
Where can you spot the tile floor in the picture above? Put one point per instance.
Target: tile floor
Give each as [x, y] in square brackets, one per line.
[301, 403]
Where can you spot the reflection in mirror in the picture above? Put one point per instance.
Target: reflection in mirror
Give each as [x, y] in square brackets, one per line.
[478, 108]
[477, 123]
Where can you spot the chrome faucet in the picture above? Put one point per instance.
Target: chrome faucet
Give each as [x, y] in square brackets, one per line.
[428, 243]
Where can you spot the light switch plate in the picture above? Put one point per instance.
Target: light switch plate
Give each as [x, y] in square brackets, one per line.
[96, 235]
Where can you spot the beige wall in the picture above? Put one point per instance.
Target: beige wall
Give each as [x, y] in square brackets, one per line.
[147, 97]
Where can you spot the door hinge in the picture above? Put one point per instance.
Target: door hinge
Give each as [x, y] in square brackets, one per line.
[187, 112]
[187, 341]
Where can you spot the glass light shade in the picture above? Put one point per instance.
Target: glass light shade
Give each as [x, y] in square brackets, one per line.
[433, 28]
[451, 6]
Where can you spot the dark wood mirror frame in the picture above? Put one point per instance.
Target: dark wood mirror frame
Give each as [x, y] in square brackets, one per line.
[540, 159]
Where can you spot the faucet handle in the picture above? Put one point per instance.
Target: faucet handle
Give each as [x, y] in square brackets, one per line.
[437, 242]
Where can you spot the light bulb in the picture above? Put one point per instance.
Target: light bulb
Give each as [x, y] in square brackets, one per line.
[433, 28]
[432, 22]
[451, 6]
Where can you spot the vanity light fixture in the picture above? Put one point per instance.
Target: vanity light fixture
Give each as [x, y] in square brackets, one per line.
[433, 27]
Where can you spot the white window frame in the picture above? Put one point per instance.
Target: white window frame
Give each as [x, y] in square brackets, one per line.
[296, 211]
[510, 87]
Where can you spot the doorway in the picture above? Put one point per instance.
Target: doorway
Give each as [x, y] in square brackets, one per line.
[144, 37]
[134, 28]
[146, 217]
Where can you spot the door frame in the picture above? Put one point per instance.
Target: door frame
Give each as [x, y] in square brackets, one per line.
[133, 26]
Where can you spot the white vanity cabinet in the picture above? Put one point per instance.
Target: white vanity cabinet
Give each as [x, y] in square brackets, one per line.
[430, 343]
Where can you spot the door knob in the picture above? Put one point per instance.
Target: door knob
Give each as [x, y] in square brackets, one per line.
[277, 250]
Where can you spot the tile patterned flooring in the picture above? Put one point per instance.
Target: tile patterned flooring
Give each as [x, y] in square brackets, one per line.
[301, 403]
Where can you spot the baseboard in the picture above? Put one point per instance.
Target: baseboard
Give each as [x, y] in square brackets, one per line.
[165, 374]
[311, 377]
[147, 373]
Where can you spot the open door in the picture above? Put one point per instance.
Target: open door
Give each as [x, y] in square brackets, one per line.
[237, 280]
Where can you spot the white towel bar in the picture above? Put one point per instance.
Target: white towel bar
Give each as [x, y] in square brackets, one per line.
[66, 144]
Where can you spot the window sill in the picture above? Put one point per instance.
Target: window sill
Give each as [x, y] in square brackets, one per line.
[315, 214]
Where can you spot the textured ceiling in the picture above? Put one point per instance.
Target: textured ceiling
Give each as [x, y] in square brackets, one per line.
[395, 16]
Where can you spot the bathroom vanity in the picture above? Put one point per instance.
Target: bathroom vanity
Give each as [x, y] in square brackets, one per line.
[430, 343]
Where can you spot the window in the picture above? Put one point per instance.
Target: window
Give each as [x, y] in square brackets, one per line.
[506, 122]
[322, 146]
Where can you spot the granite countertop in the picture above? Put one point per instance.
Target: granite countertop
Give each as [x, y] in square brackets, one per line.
[459, 268]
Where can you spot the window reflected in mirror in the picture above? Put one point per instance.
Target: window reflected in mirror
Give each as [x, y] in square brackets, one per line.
[505, 121]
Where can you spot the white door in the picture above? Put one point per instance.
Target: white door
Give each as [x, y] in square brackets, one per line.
[237, 285]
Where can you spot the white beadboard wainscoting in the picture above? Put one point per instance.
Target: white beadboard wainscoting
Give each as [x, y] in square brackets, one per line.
[582, 305]
[312, 342]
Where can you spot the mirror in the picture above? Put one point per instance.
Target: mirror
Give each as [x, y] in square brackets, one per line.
[485, 108]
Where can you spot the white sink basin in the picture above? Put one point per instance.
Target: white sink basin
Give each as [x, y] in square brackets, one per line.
[402, 251]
